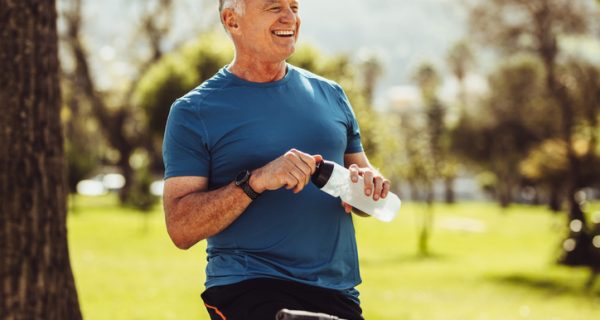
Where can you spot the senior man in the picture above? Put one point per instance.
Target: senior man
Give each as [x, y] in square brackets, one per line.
[239, 151]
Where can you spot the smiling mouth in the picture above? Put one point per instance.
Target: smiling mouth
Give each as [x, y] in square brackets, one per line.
[283, 33]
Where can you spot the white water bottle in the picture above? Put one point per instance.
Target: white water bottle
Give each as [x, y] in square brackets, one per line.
[335, 180]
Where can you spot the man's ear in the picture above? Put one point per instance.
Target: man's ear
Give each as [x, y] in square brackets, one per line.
[229, 18]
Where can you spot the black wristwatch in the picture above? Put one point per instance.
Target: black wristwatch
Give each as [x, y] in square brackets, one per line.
[243, 181]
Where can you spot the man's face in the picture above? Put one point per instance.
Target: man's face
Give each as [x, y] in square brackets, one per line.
[269, 29]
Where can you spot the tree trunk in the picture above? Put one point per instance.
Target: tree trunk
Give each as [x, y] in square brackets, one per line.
[555, 198]
[127, 172]
[589, 284]
[426, 223]
[561, 96]
[449, 195]
[36, 281]
[504, 193]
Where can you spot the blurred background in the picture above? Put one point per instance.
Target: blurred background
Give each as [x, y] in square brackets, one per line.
[484, 114]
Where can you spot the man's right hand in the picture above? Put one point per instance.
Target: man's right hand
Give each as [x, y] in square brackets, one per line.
[292, 171]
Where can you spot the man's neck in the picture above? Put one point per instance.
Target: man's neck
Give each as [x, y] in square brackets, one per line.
[257, 71]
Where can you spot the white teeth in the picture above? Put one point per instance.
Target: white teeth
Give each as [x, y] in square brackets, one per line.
[284, 33]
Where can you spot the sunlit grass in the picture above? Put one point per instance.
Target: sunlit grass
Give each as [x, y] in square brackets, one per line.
[485, 263]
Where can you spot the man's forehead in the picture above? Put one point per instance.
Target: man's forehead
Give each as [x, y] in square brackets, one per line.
[272, 1]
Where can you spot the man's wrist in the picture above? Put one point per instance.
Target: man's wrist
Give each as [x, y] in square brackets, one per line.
[254, 184]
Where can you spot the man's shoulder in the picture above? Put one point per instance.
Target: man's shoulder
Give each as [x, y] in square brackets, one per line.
[313, 77]
[205, 92]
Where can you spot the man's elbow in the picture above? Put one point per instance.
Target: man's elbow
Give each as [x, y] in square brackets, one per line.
[183, 245]
[177, 233]
[179, 240]
[183, 238]
[175, 229]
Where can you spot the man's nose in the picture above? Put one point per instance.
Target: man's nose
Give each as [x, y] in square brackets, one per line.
[288, 16]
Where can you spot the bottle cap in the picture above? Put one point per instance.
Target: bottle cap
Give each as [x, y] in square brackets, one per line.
[322, 173]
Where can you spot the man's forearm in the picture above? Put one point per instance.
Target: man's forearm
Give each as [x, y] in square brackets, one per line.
[194, 214]
[200, 215]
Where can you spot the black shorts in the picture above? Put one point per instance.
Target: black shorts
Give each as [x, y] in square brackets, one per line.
[260, 299]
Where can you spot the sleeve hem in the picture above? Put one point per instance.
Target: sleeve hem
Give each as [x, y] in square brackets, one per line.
[185, 174]
[354, 149]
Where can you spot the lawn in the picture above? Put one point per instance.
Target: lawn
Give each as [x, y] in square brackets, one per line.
[485, 263]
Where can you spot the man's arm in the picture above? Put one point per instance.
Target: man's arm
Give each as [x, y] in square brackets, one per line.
[375, 184]
[192, 213]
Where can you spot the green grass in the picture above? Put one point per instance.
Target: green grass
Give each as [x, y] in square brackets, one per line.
[503, 268]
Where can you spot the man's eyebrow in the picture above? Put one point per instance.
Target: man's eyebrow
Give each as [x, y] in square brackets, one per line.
[270, 2]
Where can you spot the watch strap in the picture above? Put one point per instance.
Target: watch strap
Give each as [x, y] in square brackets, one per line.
[249, 191]
[243, 181]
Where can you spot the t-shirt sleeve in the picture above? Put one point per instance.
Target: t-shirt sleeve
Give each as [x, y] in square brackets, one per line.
[185, 152]
[353, 131]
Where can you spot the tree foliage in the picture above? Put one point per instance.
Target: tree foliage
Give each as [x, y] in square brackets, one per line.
[182, 70]
[171, 77]
[112, 109]
[510, 121]
[537, 27]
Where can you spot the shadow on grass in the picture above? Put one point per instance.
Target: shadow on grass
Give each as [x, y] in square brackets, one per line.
[402, 259]
[548, 286]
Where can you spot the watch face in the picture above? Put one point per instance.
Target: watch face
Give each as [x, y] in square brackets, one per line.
[242, 177]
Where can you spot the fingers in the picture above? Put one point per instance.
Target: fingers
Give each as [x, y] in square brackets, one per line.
[318, 158]
[386, 188]
[297, 177]
[375, 185]
[307, 160]
[378, 187]
[294, 169]
[303, 166]
[300, 166]
[368, 175]
[354, 172]
[347, 207]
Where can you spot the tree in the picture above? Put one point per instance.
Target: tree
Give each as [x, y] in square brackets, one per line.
[460, 59]
[114, 110]
[424, 133]
[535, 26]
[511, 121]
[428, 80]
[371, 69]
[82, 146]
[181, 70]
[171, 77]
[547, 165]
[35, 272]
[418, 171]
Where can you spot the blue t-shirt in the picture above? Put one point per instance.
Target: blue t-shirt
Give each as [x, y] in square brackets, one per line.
[228, 124]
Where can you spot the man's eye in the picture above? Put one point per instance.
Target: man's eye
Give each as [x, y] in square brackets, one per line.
[275, 9]
[295, 8]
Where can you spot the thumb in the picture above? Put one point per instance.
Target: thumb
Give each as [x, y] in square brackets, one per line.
[318, 157]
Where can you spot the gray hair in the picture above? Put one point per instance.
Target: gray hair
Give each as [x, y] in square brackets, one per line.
[237, 5]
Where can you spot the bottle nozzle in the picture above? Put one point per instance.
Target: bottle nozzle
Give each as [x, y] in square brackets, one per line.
[323, 172]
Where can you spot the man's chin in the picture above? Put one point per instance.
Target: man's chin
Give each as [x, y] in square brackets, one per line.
[287, 52]
[282, 55]
[290, 53]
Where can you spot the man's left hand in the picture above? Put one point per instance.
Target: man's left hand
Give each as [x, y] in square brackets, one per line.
[375, 184]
